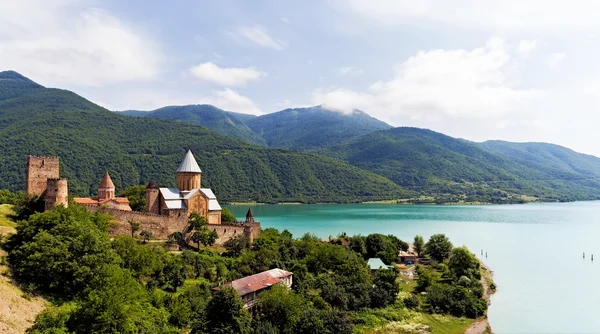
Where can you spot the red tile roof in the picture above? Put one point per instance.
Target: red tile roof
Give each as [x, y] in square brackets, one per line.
[106, 182]
[257, 282]
[85, 200]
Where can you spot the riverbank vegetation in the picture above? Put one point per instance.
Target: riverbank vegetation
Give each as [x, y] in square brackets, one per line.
[121, 285]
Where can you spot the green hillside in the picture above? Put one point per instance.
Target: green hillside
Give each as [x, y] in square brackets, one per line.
[223, 122]
[90, 140]
[436, 164]
[312, 128]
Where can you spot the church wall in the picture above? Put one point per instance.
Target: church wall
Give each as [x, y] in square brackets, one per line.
[198, 204]
[214, 217]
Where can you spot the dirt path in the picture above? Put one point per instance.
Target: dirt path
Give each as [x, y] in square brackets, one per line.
[17, 309]
[482, 326]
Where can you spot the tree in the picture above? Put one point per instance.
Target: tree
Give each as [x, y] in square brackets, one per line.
[116, 302]
[281, 307]
[136, 196]
[135, 226]
[381, 246]
[237, 244]
[200, 232]
[146, 235]
[464, 263]
[225, 314]
[419, 245]
[59, 251]
[227, 216]
[438, 247]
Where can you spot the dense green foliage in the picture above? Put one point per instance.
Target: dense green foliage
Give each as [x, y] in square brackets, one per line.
[227, 216]
[136, 196]
[223, 122]
[458, 170]
[91, 140]
[438, 247]
[126, 287]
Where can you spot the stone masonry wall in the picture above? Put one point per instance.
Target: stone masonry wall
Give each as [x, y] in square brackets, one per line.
[162, 226]
[39, 170]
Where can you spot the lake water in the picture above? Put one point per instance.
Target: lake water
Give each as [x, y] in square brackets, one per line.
[535, 251]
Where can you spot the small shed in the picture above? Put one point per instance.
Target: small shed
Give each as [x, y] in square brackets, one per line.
[408, 256]
[375, 263]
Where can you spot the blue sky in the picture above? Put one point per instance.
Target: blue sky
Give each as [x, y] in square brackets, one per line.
[513, 70]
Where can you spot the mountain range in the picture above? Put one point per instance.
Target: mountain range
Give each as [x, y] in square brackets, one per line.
[300, 154]
[90, 140]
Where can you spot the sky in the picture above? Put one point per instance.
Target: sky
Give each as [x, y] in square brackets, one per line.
[523, 70]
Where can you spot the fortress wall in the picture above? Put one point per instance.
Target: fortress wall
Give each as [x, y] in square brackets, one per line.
[160, 226]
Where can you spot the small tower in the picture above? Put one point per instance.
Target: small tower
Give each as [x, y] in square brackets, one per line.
[152, 198]
[106, 190]
[57, 193]
[249, 216]
[188, 173]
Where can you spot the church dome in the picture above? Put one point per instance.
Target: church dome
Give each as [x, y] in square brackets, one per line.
[106, 182]
[189, 164]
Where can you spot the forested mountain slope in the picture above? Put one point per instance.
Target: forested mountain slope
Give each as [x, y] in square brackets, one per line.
[433, 163]
[90, 140]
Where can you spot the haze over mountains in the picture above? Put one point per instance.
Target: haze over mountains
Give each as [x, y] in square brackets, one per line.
[387, 162]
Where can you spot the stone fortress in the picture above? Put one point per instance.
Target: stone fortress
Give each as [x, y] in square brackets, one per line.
[167, 209]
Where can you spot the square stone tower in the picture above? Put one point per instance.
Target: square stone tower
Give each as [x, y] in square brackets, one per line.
[39, 170]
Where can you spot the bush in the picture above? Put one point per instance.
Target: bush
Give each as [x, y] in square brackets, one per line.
[411, 302]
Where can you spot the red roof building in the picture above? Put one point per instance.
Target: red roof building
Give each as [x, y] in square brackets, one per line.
[249, 286]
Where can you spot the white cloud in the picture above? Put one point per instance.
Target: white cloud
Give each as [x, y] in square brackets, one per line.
[58, 42]
[555, 59]
[511, 15]
[526, 46]
[285, 20]
[230, 100]
[228, 76]
[350, 70]
[449, 83]
[258, 35]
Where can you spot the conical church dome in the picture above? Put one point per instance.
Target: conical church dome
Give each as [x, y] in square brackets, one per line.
[106, 182]
[189, 164]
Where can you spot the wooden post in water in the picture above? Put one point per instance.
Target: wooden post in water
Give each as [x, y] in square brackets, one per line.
[584, 255]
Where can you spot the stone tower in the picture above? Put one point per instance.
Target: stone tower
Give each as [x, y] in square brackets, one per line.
[152, 198]
[39, 170]
[57, 193]
[188, 173]
[106, 190]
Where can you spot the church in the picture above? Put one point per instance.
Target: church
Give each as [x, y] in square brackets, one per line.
[188, 196]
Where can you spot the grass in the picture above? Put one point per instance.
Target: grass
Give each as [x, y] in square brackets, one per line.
[5, 212]
[394, 319]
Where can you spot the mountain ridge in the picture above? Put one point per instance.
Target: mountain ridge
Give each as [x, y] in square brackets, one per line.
[90, 140]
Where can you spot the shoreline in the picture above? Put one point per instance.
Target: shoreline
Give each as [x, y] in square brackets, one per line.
[482, 326]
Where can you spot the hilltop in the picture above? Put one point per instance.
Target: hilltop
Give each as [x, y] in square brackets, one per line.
[90, 140]
[301, 129]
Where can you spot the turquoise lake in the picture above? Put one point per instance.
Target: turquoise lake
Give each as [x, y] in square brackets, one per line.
[534, 250]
